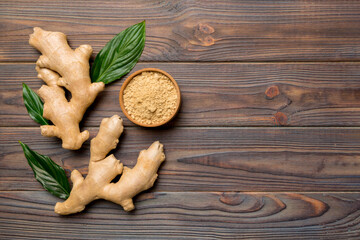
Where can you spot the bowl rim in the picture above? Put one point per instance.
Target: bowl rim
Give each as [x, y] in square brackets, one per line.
[126, 82]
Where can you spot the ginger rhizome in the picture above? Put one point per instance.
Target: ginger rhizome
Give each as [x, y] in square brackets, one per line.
[60, 66]
[102, 170]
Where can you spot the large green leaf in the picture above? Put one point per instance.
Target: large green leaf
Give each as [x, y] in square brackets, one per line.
[119, 55]
[48, 173]
[34, 105]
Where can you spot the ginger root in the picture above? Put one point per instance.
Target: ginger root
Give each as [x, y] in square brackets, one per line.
[60, 66]
[102, 170]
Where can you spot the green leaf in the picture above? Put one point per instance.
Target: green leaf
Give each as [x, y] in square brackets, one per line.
[51, 176]
[34, 105]
[119, 55]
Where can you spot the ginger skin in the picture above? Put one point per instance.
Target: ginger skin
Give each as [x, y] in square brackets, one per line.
[60, 66]
[102, 170]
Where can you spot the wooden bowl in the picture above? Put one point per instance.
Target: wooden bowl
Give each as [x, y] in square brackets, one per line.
[121, 100]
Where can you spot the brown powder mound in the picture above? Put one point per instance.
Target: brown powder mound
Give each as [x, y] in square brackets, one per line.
[150, 98]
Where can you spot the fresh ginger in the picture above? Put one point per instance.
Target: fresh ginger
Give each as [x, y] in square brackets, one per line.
[102, 170]
[60, 66]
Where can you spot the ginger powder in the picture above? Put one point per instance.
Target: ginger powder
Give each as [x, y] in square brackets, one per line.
[150, 98]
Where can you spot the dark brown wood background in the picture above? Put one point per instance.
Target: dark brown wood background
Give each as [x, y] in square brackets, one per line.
[242, 161]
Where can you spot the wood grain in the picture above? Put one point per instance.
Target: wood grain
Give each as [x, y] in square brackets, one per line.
[198, 215]
[194, 30]
[223, 94]
[210, 159]
[244, 66]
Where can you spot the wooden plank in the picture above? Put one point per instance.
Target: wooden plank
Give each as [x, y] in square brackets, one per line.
[224, 94]
[200, 215]
[210, 159]
[210, 30]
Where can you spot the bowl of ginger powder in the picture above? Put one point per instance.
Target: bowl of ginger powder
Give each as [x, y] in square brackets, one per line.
[150, 97]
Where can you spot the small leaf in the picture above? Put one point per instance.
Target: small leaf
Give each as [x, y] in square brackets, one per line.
[119, 55]
[51, 176]
[34, 105]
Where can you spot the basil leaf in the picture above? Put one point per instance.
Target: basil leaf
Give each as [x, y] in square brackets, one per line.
[51, 176]
[119, 55]
[34, 105]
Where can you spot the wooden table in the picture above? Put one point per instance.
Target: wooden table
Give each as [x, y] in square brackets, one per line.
[267, 142]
